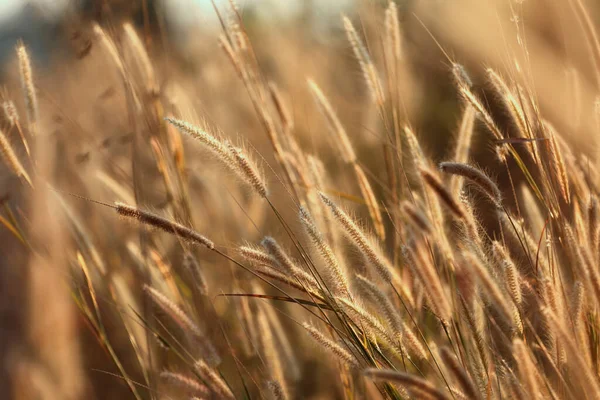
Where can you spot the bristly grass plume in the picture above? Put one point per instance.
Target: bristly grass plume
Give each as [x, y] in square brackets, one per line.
[401, 203]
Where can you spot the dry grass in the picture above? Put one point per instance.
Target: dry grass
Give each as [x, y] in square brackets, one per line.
[311, 241]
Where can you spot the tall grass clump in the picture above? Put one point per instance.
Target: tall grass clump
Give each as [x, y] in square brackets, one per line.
[371, 231]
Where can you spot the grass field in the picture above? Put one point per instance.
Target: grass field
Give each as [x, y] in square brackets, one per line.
[396, 202]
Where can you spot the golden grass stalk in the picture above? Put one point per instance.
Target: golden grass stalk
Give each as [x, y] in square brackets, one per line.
[411, 382]
[233, 157]
[472, 312]
[552, 298]
[393, 38]
[11, 160]
[581, 227]
[161, 223]
[141, 55]
[257, 256]
[414, 148]
[482, 113]
[369, 249]
[385, 306]
[185, 382]
[532, 210]
[463, 145]
[286, 117]
[366, 63]
[527, 370]
[331, 346]
[10, 112]
[420, 262]
[276, 390]
[512, 279]
[577, 303]
[339, 273]
[298, 173]
[435, 194]
[466, 384]
[382, 302]
[371, 200]
[549, 296]
[215, 145]
[287, 351]
[110, 47]
[271, 355]
[305, 286]
[12, 117]
[584, 266]
[284, 262]
[174, 311]
[584, 372]
[557, 164]
[232, 55]
[286, 265]
[471, 227]
[477, 177]
[461, 77]
[370, 325]
[521, 239]
[249, 171]
[212, 378]
[510, 102]
[491, 289]
[318, 209]
[28, 87]
[576, 308]
[190, 263]
[335, 126]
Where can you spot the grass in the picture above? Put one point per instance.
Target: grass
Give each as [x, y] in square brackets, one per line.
[207, 265]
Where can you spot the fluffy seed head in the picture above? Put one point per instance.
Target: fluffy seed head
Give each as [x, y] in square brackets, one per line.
[411, 382]
[366, 246]
[248, 171]
[10, 112]
[331, 346]
[511, 275]
[156, 221]
[482, 113]
[339, 274]
[286, 265]
[28, 86]
[461, 76]
[174, 311]
[11, 159]
[212, 378]
[372, 204]
[460, 373]
[477, 177]
[366, 64]
[185, 382]
[212, 143]
[392, 31]
[257, 256]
